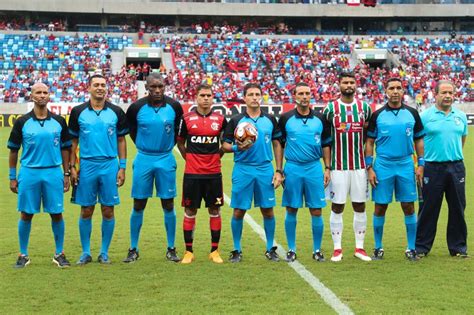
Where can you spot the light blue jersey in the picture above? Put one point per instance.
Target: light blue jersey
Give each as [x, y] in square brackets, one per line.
[443, 140]
[98, 130]
[41, 140]
[394, 130]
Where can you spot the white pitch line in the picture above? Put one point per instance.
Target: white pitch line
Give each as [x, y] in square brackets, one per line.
[326, 294]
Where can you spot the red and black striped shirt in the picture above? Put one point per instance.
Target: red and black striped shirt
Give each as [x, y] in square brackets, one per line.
[202, 134]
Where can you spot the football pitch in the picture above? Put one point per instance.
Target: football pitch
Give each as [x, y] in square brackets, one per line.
[435, 284]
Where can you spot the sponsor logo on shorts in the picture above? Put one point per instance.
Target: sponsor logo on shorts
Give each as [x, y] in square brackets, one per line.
[219, 201]
[461, 180]
[271, 199]
[426, 180]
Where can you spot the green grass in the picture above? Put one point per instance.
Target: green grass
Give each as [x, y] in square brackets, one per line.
[436, 284]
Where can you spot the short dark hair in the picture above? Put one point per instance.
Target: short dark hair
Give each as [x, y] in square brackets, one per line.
[346, 74]
[203, 86]
[393, 79]
[94, 76]
[298, 85]
[441, 82]
[252, 86]
[154, 75]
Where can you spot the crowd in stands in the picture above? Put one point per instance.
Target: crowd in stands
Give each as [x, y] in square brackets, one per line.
[65, 63]
[279, 64]
[16, 24]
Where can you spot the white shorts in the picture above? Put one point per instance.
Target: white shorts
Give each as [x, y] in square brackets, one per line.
[343, 183]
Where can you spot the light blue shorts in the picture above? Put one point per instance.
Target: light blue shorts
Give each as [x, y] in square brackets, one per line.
[255, 182]
[36, 185]
[154, 169]
[394, 175]
[304, 180]
[97, 182]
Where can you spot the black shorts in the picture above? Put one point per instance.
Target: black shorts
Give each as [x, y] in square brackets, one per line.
[196, 189]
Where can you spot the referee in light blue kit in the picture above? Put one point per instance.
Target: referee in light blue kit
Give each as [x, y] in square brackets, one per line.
[154, 121]
[253, 176]
[306, 138]
[99, 127]
[394, 129]
[45, 143]
[446, 131]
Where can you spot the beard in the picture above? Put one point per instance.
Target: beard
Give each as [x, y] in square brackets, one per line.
[348, 93]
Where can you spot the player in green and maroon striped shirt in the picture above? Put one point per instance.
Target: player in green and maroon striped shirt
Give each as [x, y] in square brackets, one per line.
[348, 118]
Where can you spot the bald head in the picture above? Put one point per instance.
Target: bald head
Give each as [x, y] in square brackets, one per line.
[39, 85]
[40, 94]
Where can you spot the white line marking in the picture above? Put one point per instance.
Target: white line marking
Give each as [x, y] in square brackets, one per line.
[326, 294]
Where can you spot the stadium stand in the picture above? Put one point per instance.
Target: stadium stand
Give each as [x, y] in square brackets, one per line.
[228, 62]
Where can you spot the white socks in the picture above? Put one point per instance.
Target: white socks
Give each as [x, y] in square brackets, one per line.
[360, 226]
[337, 226]
[335, 222]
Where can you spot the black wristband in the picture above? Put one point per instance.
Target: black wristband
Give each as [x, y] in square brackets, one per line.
[279, 171]
[328, 168]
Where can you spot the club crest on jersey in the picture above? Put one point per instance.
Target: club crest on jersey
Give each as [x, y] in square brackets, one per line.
[215, 126]
[267, 138]
[457, 121]
[204, 139]
[168, 128]
[408, 131]
[317, 138]
[56, 139]
[110, 131]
